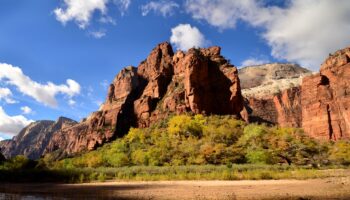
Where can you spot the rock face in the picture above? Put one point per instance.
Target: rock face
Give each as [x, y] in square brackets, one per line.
[325, 99]
[272, 93]
[320, 105]
[198, 81]
[260, 81]
[33, 139]
[283, 109]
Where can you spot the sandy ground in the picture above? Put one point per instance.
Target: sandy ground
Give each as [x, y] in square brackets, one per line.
[328, 188]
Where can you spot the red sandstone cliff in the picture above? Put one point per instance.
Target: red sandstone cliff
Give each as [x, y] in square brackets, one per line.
[320, 105]
[197, 81]
[325, 99]
[272, 93]
[283, 108]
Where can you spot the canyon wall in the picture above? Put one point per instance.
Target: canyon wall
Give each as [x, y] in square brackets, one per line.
[199, 81]
[272, 93]
[319, 102]
[325, 99]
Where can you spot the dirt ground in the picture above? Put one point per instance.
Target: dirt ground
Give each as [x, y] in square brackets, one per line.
[328, 188]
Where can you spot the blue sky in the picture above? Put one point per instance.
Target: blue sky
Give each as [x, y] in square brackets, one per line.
[88, 42]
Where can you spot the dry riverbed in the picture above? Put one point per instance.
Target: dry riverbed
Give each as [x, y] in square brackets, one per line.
[327, 188]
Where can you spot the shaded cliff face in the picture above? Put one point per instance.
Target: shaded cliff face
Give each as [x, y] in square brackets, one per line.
[283, 108]
[33, 139]
[272, 93]
[198, 81]
[326, 99]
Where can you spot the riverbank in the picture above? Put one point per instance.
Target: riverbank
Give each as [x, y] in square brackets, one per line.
[327, 188]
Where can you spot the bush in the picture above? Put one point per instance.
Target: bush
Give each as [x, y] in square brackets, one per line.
[101, 177]
[340, 153]
[117, 159]
[199, 140]
[257, 156]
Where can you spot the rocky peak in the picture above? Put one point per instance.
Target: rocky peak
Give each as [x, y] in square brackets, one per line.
[125, 82]
[197, 81]
[63, 122]
[159, 62]
[337, 59]
[33, 129]
[33, 139]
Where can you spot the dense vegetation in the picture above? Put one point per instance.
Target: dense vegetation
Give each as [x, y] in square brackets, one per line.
[195, 147]
[218, 140]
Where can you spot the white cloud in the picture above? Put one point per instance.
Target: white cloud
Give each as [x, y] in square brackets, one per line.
[26, 110]
[107, 20]
[12, 125]
[220, 13]
[43, 93]
[304, 31]
[123, 5]
[81, 11]
[163, 7]
[71, 102]
[184, 37]
[254, 61]
[1, 139]
[98, 34]
[6, 95]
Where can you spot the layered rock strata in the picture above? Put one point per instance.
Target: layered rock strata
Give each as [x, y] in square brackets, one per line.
[272, 93]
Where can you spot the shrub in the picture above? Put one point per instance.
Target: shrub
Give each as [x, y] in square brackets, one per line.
[257, 156]
[340, 153]
[101, 177]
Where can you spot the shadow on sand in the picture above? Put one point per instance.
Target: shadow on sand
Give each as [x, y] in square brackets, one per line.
[73, 191]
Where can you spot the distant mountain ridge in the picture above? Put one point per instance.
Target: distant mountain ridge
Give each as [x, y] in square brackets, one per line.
[261, 81]
[33, 139]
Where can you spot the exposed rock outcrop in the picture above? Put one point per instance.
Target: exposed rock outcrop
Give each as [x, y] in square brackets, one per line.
[260, 81]
[320, 105]
[272, 93]
[325, 99]
[33, 139]
[283, 109]
[197, 81]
